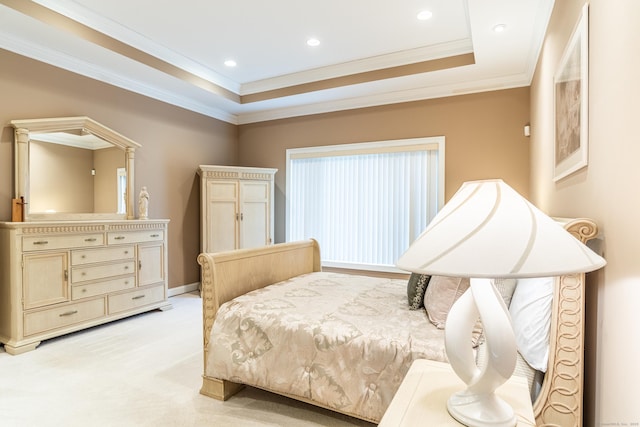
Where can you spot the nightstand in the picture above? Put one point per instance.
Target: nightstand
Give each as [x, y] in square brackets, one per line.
[423, 394]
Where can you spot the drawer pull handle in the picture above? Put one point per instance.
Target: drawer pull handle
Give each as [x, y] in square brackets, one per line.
[126, 252]
[139, 265]
[83, 256]
[41, 242]
[66, 275]
[138, 297]
[84, 273]
[84, 289]
[119, 237]
[91, 239]
[69, 313]
[126, 282]
[155, 235]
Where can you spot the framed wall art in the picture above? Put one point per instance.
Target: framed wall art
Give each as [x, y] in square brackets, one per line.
[571, 98]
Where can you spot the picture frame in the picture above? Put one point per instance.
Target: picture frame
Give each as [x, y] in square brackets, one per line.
[571, 102]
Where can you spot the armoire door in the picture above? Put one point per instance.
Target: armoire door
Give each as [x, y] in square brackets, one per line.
[222, 211]
[254, 214]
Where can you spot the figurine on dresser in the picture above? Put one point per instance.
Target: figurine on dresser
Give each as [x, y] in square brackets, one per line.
[143, 204]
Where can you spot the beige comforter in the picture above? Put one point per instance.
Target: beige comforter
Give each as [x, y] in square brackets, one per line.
[343, 341]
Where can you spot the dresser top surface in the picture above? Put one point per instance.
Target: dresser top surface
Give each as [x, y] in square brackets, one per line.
[106, 223]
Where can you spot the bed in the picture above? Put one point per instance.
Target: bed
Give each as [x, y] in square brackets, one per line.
[299, 345]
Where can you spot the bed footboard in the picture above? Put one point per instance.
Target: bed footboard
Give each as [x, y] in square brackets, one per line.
[226, 275]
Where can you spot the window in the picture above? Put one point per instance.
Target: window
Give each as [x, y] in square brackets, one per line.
[121, 176]
[364, 203]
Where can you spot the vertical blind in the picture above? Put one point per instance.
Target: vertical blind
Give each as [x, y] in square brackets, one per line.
[364, 204]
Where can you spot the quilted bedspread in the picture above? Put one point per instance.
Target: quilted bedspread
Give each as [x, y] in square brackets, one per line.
[343, 341]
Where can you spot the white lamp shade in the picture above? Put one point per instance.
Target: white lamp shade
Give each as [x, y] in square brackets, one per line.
[489, 230]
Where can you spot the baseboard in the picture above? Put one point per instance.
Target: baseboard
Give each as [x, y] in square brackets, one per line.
[191, 287]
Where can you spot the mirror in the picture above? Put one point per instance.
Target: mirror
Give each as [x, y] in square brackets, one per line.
[73, 168]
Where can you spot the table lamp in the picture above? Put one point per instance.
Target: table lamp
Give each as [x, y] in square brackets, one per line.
[488, 230]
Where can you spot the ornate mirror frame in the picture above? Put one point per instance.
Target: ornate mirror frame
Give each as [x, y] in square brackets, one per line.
[24, 128]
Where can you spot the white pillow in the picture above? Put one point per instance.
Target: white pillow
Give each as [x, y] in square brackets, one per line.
[530, 312]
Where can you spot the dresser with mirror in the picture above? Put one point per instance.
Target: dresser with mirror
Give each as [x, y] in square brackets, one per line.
[74, 256]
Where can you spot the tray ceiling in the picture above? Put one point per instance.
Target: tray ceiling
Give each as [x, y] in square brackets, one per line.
[370, 52]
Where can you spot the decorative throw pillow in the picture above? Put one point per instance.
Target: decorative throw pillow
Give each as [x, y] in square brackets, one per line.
[441, 293]
[531, 318]
[416, 287]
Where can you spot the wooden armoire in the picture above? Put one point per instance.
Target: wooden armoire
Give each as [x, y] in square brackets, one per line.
[236, 207]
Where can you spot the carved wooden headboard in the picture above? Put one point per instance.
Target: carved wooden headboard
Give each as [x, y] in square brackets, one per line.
[560, 400]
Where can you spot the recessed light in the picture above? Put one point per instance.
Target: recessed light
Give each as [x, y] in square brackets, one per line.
[424, 15]
[499, 28]
[230, 63]
[313, 42]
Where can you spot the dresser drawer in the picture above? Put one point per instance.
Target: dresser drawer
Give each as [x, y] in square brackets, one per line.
[39, 243]
[96, 272]
[45, 320]
[118, 238]
[101, 288]
[137, 298]
[89, 256]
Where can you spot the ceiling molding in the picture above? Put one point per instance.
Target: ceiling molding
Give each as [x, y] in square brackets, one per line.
[411, 95]
[69, 25]
[442, 50]
[88, 18]
[545, 9]
[87, 69]
[364, 77]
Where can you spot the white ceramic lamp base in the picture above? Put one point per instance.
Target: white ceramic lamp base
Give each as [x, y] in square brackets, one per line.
[472, 409]
[478, 406]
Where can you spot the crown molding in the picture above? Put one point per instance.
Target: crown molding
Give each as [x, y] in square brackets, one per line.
[374, 63]
[86, 69]
[84, 16]
[545, 10]
[78, 66]
[395, 97]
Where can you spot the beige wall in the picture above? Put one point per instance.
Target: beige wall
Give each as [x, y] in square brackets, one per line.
[174, 142]
[607, 190]
[106, 162]
[61, 179]
[484, 137]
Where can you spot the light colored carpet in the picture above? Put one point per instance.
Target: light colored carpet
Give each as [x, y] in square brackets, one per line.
[140, 371]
